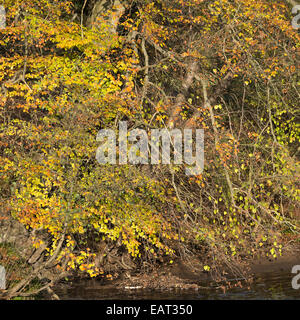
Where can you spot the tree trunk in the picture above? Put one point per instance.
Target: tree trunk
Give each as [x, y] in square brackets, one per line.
[108, 10]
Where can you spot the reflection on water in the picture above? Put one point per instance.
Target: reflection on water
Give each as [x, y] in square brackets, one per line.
[276, 286]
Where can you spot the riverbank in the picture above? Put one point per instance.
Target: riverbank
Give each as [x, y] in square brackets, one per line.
[184, 276]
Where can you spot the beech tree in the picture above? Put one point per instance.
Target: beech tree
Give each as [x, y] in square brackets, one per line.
[68, 69]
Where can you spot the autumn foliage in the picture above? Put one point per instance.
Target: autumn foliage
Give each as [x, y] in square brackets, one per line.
[229, 67]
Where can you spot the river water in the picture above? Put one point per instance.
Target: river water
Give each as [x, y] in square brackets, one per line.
[275, 286]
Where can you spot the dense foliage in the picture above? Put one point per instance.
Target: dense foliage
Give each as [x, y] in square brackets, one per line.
[229, 67]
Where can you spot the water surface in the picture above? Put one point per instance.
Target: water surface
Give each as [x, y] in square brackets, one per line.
[275, 286]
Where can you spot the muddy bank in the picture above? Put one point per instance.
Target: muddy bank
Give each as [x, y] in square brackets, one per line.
[281, 264]
[187, 276]
[183, 276]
